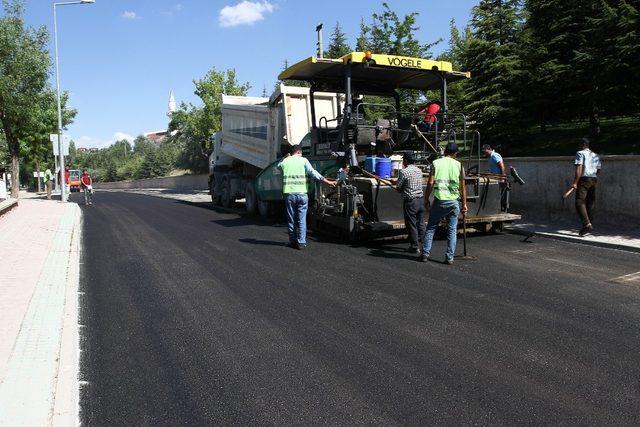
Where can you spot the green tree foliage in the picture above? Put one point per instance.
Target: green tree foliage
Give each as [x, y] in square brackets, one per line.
[581, 55]
[492, 55]
[457, 47]
[362, 42]
[392, 35]
[298, 83]
[192, 127]
[36, 148]
[338, 45]
[210, 89]
[142, 145]
[189, 126]
[24, 68]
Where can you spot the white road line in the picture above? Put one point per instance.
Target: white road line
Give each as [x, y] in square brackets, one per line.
[627, 278]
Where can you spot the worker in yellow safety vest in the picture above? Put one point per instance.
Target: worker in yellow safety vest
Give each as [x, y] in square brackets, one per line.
[295, 170]
[447, 184]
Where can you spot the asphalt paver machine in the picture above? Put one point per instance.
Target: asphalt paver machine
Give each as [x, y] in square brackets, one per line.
[378, 121]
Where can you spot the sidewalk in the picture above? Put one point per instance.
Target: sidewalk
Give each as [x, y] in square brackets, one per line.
[38, 292]
[604, 235]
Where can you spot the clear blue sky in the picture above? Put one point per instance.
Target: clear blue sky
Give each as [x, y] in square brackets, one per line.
[120, 58]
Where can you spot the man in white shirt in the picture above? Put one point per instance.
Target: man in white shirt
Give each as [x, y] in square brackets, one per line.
[588, 166]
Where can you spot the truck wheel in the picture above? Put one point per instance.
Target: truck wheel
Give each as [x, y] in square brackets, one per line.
[265, 208]
[251, 198]
[215, 196]
[497, 227]
[225, 193]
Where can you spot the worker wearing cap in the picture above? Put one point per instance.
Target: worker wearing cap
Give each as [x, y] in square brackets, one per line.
[410, 185]
[447, 184]
[295, 170]
[496, 164]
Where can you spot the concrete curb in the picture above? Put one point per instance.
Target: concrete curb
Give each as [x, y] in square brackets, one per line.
[28, 392]
[67, 396]
[571, 239]
[7, 205]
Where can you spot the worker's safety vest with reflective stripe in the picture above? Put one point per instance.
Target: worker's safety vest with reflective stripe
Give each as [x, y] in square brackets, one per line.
[446, 184]
[294, 177]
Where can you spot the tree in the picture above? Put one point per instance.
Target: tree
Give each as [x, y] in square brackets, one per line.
[193, 127]
[581, 56]
[492, 55]
[338, 45]
[142, 145]
[24, 69]
[298, 83]
[389, 34]
[36, 148]
[210, 90]
[362, 42]
[455, 53]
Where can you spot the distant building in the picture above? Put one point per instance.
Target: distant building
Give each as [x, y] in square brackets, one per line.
[158, 136]
[87, 150]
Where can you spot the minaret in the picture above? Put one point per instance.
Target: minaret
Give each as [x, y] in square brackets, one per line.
[172, 103]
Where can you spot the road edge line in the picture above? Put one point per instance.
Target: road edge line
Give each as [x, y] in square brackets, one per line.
[571, 239]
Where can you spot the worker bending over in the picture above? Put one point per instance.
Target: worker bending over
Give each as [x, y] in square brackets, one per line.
[410, 185]
[295, 170]
[588, 166]
[449, 192]
[497, 167]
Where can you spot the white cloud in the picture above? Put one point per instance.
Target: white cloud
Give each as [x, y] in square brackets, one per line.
[244, 13]
[91, 142]
[129, 15]
[178, 7]
[119, 136]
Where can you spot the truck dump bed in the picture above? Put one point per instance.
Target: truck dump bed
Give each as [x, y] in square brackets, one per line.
[245, 130]
[254, 128]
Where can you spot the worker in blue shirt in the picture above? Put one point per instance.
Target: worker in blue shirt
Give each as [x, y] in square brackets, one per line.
[496, 164]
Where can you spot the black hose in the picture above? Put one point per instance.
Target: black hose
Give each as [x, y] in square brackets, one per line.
[375, 202]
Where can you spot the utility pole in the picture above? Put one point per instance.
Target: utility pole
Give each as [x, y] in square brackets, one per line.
[63, 190]
[320, 50]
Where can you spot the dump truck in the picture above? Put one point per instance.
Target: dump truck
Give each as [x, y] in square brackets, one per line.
[356, 109]
[256, 131]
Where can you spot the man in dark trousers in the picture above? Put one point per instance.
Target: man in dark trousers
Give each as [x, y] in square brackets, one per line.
[588, 166]
[295, 170]
[449, 199]
[410, 185]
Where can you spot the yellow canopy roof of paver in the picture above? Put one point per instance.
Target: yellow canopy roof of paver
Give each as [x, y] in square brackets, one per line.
[377, 73]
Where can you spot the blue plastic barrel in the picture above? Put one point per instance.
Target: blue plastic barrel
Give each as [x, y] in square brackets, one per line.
[370, 164]
[383, 167]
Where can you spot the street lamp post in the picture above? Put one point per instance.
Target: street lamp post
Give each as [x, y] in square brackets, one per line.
[63, 190]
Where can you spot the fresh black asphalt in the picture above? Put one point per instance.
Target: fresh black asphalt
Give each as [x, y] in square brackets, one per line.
[196, 316]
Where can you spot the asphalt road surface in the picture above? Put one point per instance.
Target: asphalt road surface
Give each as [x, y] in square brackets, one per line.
[195, 316]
